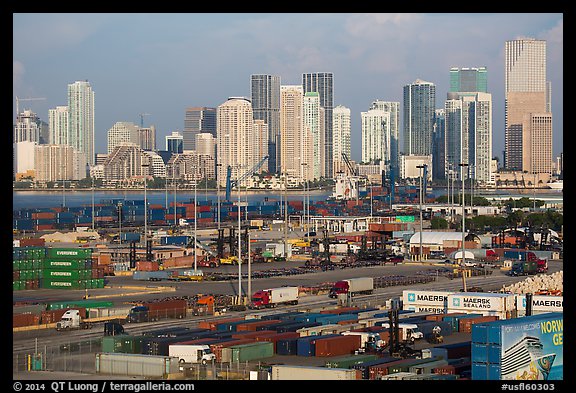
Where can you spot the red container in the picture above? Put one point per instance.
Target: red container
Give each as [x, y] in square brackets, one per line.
[274, 338]
[15, 275]
[155, 206]
[465, 325]
[379, 370]
[212, 325]
[252, 334]
[147, 266]
[217, 348]
[53, 316]
[25, 319]
[32, 242]
[337, 345]
[43, 215]
[347, 321]
[251, 326]
[44, 227]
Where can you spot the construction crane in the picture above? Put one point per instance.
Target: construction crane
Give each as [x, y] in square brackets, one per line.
[142, 119]
[232, 183]
[25, 99]
[353, 172]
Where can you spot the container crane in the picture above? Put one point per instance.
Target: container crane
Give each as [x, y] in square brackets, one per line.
[25, 99]
[232, 183]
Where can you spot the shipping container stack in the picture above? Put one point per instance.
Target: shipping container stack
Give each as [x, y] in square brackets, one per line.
[70, 268]
[526, 348]
[27, 265]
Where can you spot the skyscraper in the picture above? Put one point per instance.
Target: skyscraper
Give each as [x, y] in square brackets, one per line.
[27, 128]
[393, 108]
[295, 139]
[469, 79]
[313, 122]
[196, 121]
[419, 107]
[174, 142]
[265, 91]
[235, 127]
[527, 99]
[439, 169]
[375, 136]
[341, 137]
[468, 119]
[81, 119]
[58, 125]
[323, 84]
[122, 132]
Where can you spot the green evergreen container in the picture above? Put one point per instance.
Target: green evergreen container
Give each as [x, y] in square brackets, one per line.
[251, 351]
[349, 361]
[69, 253]
[16, 265]
[63, 284]
[122, 344]
[62, 274]
[51, 263]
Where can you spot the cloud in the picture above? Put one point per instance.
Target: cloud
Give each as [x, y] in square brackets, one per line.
[373, 26]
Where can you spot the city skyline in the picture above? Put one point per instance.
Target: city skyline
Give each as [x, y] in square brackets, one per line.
[156, 75]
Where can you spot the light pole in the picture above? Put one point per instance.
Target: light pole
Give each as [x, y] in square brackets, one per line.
[174, 185]
[462, 165]
[421, 167]
[370, 183]
[145, 206]
[63, 193]
[304, 165]
[195, 218]
[218, 191]
[92, 204]
[249, 266]
[120, 222]
[239, 237]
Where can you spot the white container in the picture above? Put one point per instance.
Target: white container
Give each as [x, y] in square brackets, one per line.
[136, 365]
[425, 298]
[283, 294]
[540, 304]
[315, 330]
[480, 301]
[288, 372]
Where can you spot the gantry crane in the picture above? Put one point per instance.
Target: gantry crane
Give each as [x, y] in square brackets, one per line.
[231, 183]
[25, 99]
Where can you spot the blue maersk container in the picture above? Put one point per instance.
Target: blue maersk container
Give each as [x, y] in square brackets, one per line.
[519, 348]
[307, 345]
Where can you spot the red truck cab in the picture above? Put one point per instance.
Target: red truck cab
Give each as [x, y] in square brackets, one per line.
[260, 299]
[338, 288]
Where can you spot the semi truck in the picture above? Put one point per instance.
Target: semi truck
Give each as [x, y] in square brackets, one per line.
[153, 311]
[72, 319]
[273, 297]
[408, 331]
[192, 353]
[157, 275]
[369, 341]
[523, 268]
[354, 286]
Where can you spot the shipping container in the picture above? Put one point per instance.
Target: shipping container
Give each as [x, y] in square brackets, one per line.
[274, 338]
[287, 372]
[248, 352]
[454, 319]
[287, 346]
[306, 346]
[213, 325]
[337, 345]
[136, 365]
[540, 304]
[349, 361]
[465, 324]
[217, 348]
[122, 344]
[520, 348]
[69, 253]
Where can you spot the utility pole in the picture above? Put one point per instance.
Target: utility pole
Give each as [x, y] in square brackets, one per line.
[463, 263]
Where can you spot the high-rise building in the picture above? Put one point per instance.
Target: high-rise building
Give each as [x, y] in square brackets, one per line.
[527, 96]
[469, 79]
[468, 119]
[198, 120]
[313, 121]
[174, 142]
[147, 138]
[295, 139]
[59, 162]
[323, 84]
[81, 118]
[261, 140]
[122, 132]
[206, 145]
[392, 107]
[375, 136]
[439, 145]
[341, 130]
[58, 125]
[419, 107]
[265, 91]
[27, 129]
[235, 139]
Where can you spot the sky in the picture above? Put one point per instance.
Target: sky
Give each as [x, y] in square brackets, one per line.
[162, 63]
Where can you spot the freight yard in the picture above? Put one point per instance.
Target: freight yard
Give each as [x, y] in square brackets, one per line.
[372, 302]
